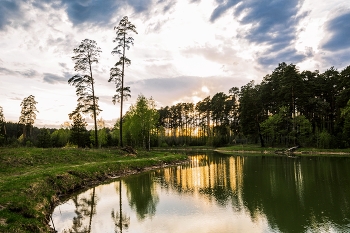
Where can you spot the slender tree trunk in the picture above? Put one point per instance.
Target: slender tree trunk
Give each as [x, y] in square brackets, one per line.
[260, 136]
[92, 208]
[122, 97]
[149, 139]
[120, 207]
[94, 103]
[208, 124]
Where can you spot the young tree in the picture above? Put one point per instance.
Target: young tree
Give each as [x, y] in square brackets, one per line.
[60, 138]
[44, 138]
[140, 120]
[28, 114]
[79, 135]
[86, 54]
[2, 127]
[117, 72]
[2, 118]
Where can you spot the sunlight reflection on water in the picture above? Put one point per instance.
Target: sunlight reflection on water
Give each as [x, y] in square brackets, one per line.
[216, 194]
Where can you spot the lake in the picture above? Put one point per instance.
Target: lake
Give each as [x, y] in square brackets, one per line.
[218, 193]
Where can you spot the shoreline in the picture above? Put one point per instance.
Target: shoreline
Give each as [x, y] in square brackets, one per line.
[41, 179]
[107, 179]
[297, 153]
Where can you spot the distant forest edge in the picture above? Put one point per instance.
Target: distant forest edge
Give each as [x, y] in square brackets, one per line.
[287, 108]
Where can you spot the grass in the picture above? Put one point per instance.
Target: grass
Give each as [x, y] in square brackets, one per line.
[34, 180]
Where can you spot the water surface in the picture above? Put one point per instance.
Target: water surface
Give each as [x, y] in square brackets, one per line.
[219, 193]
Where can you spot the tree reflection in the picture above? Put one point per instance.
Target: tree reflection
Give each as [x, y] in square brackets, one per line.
[141, 194]
[216, 177]
[121, 221]
[308, 194]
[85, 209]
[293, 195]
[298, 195]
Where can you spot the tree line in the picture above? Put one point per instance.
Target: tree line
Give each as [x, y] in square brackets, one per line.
[287, 108]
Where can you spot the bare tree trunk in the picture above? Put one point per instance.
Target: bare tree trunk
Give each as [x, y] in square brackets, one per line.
[92, 208]
[94, 103]
[122, 98]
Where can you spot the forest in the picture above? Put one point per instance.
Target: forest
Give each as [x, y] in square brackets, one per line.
[288, 107]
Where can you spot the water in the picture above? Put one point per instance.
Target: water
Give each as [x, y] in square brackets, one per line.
[219, 193]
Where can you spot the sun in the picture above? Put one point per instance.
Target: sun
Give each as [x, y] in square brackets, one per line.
[205, 89]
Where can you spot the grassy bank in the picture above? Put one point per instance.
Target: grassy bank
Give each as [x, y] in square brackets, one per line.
[33, 180]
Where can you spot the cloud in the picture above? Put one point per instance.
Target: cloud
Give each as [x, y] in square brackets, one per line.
[16, 13]
[271, 24]
[167, 5]
[166, 91]
[288, 55]
[15, 98]
[30, 73]
[222, 8]
[338, 30]
[82, 11]
[6, 71]
[8, 10]
[223, 54]
[97, 13]
[53, 78]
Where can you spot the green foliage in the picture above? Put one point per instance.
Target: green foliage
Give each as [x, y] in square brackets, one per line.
[324, 140]
[251, 112]
[44, 138]
[60, 138]
[79, 135]
[303, 130]
[103, 137]
[275, 128]
[140, 121]
[28, 114]
[2, 128]
[3, 134]
[345, 113]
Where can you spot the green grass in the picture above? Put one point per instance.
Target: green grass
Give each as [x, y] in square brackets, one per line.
[33, 180]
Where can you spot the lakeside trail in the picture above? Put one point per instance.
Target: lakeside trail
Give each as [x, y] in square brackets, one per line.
[33, 181]
[67, 167]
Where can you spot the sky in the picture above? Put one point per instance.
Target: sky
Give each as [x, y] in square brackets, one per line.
[184, 51]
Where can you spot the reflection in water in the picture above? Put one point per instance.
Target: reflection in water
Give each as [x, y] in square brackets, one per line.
[141, 194]
[217, 193]
[85, 208]
[120, 220]
[218, 177]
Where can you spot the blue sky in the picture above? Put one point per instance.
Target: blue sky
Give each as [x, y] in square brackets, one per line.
[184, 51]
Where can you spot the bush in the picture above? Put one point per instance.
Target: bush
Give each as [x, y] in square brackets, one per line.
[324, 140]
